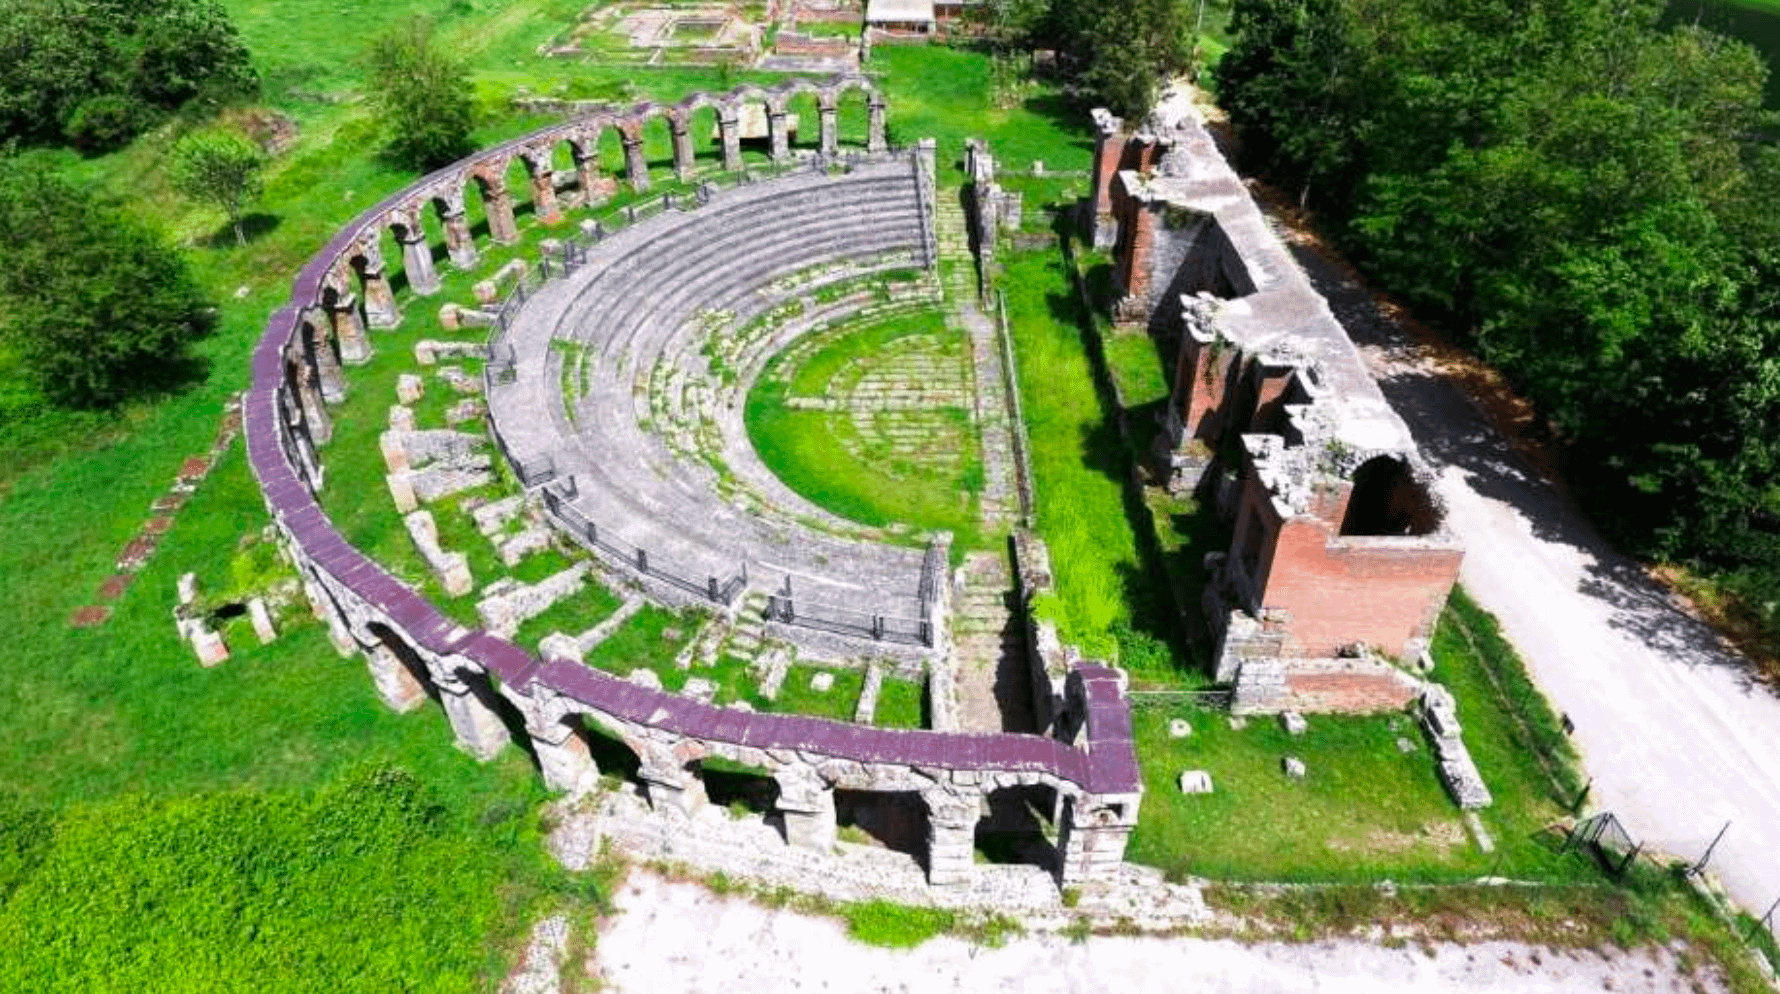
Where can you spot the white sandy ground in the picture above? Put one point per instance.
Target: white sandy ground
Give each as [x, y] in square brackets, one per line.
[669, 938]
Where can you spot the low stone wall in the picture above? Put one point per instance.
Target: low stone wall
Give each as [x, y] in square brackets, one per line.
[1364, 685]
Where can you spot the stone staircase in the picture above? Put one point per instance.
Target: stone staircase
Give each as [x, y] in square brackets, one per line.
[989, 651]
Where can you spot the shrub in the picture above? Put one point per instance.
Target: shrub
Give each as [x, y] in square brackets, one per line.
[104, 123]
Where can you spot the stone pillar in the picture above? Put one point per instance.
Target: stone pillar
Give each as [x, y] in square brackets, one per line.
[1109, 153]
[807, 806]
[875, 140]
[635, 165]
[497, 203]
[544, 206]
[381, 310]
[564, 759]
[1092, 833]
[587, 171]
[479, 730]
[831, 131]
[325, 363]
[417, 259]
[459, 243]
[349, 330]
[395, 683]
[684, 163]
[951, 835]
[729, 125]
[778, 129]
[670, 785]
[323, 606]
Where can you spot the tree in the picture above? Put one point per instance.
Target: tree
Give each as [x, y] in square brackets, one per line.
[98, 72]
[423, 95]
[98, 306]
[221, 167]
[1134, 47]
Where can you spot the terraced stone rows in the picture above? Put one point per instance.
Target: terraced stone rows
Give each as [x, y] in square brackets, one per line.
[716, 259]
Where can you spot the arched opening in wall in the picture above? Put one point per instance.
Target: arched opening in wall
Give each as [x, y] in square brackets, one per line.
[1019, 827]
[707, 139]
[413, 675]
[476, 210]
[519, 189]
[609, 148]
[1388, 500]
[854, 112]
[618, 763]
[658, 148]
[755, 133]
[803, 119]
[894, 820]
[395, 266]
[562, 172]
[740, 788]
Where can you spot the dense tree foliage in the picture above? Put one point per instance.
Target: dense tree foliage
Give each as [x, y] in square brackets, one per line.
[1588, 196]
[424, 96]
[98, 306]
[1125, 51]
[220, 167]
[364, 886]
[95, 73]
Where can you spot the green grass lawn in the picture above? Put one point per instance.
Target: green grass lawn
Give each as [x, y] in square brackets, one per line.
[900, 704]
[826, 457]
[1112, 599]
[1366, 810]
[944, 93]
[1136, 368]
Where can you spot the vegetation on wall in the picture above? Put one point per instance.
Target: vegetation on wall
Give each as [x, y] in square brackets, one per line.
[1588, 196]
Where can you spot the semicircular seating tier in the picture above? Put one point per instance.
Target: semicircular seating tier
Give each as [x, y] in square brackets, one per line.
[647, 299]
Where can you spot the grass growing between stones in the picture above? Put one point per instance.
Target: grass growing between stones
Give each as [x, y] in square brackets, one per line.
[918, 466]
[1366, 810]
[797, 696]
[1136, 368]
[900, 705]
[896, 926]
[946, 94]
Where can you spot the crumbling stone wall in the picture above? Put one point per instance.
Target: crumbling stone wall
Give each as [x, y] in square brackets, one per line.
[1339, 542]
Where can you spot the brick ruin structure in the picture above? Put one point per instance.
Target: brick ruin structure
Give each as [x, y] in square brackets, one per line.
[491, 689]
[1341, 559]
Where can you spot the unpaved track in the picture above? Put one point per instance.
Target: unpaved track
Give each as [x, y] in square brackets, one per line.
[1678, 736]
[669, 938]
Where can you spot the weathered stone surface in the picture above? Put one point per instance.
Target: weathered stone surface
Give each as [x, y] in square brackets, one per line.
[1179, 728]
[428, 351]
[1293, 767]
[460, 381]
[466, 410]
[700, 689]
[1293, 723]
[261, 617]
[451, 568]
[1195, 782]
[401, 418]
[508, 603]
[409, 388]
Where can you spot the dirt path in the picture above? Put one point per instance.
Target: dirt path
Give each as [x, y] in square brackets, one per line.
[671, 937]
[1678, 735]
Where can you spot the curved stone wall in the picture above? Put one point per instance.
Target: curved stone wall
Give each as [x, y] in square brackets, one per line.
[488, 687]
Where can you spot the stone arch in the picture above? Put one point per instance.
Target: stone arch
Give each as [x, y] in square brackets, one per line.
[804, 119]
[340, 305]
[482, 719]
[591, 144]
[539, 163]
[366, 261]
[451, 209]
[852, 111]
[655, 129]
[398, 672]
[729, 783]
[489, 183]
[892, 819]
[1018, 825]
[1387, 499]
[703, 125]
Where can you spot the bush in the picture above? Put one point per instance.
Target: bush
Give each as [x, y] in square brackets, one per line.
[424, 97]
[98, 306]
[105, 123]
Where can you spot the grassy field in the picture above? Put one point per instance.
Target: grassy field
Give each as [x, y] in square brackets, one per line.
[825, 456]
[1367, 809]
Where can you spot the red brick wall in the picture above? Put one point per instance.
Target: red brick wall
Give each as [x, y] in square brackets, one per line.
[1349, 687]
[1109, 151]
[1137, 233]
[1204, 383]
[1359, 590]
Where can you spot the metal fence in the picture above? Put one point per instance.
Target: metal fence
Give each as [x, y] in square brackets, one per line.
[571, 519]
[1607, 839]
[785, 607]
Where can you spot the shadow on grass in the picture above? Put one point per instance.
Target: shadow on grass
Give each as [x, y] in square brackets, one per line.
[254, 227]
